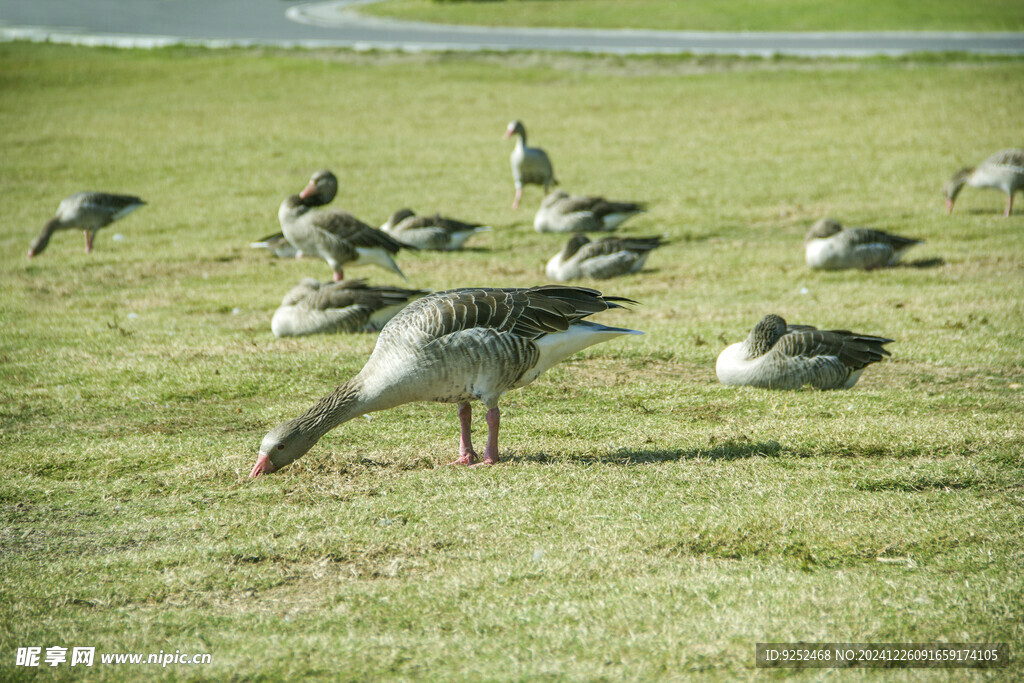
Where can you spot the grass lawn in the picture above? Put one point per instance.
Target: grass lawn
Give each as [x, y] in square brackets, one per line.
[648, 522]
[713, 15]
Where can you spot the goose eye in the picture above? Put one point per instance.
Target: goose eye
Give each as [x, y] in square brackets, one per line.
[280, 446]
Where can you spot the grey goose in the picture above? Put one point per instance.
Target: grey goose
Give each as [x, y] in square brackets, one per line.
[431, 233]
[338, 237]
[454, 346]
[88, 211]
[780, 356]
[346, 306]
[561, 212]
[530, 165]
[600, 260]
[1002, 171]
[830, 246]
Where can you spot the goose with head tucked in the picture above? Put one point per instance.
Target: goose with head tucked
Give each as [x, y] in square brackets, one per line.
[338, 237]
[1002, 171]
[430, 233]
[780, 356]
[562, 212]
[88, 211]
[347, 306]
[454, 347]
[530, 165]
[600, 260]
[830, 246]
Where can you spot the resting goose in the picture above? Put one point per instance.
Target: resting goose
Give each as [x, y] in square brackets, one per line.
[829, 246]
[600, 260]
[336, 236]
[346, 306]
[560, 212]
[1002, 171]
[89, 211]
[781, 356]
[433, 233]
[530, 165]
[278, 245]
[453, 347]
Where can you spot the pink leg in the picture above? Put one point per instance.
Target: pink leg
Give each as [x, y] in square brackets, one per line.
[1009, 204]
[467, 456]
[491, 452]
[519, 195]
[339, 276]
[88, 242]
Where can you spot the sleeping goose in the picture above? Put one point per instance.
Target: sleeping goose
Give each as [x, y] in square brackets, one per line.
[337, 237]
[781, 356]
[454, 347]
[829, 246]
[346, 306]
[1002, 171]
[530, 165]
[560, 212]
[89, 211]
[433, 233]
[600, 260]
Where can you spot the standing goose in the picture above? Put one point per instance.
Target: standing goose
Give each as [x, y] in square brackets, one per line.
[560, 212]
[829, 246]
[600, 260]
[346, 306]
[89, 211]
[337, 237]
[1002, 171]
[453, 347]
[433, 233]
[530, 165]
[781, 356]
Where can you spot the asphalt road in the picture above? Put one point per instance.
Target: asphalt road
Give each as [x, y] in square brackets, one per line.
[148, 23]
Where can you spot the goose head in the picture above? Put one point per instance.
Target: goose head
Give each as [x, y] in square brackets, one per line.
[953, 186]
[573, 245]
[396, 218]
[321, 189]
[764, 335]
[516, 128]
[282, 446]
[826, 227]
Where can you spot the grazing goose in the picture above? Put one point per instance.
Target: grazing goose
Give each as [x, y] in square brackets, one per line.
[560, 212]
[781, 356]
[278, 245]
[829, 246]
[346, 306]
[89, 211]
[1002, 171]
[336, 236]
[530, 165]
[600, 260]
[453, 347]
[433, 233]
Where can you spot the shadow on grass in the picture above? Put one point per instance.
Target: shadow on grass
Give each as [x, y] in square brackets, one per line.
[925, 263]
[732, 450]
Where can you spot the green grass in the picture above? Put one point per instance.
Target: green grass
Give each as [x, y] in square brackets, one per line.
[710, 15]
[647, 523]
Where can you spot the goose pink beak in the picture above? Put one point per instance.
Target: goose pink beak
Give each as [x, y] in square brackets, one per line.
[262, 466]
[310, 189]
[508, 133]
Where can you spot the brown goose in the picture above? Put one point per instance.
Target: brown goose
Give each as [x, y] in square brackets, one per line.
[89, 211]
[830, 246]
[606, 258]
[346, 306]
[780, 356]
[1002, 171]
[432, 233]
[560, 212]
[337, 237]
[530, 165]
[454, 347]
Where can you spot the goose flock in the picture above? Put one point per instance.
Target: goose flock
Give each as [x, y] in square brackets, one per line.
[477, 343]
